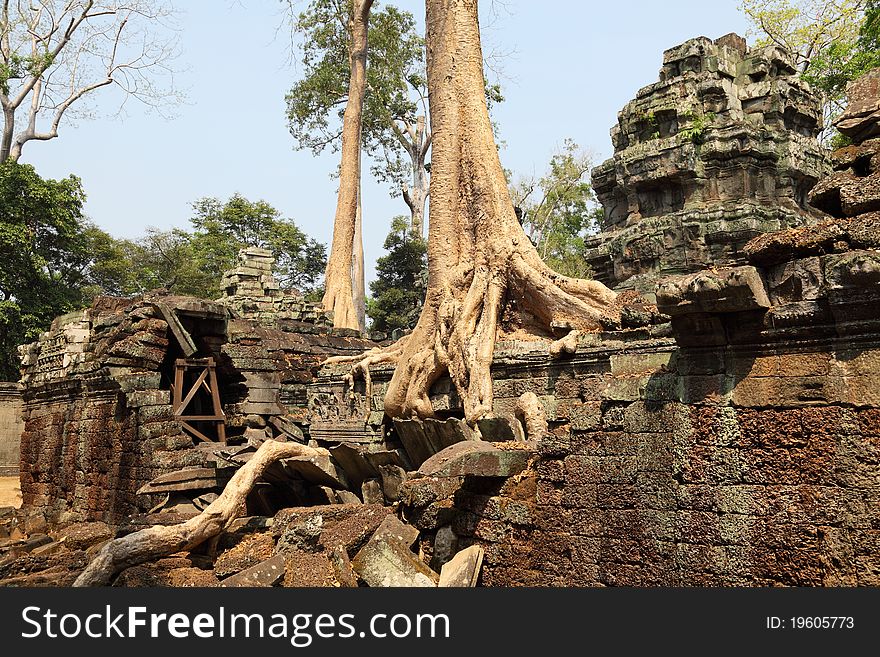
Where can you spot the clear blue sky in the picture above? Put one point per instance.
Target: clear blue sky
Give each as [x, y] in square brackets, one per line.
[574, 65]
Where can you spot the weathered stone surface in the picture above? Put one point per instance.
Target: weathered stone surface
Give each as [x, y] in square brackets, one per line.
[81, 536]
[721, 149]
[186, 480]
[393, 529]
[424, 438]
[479, 459]
[342, 568]
[501, 429]
[264, 574]
[445, 547]
[371, 492]
[251, 550]
[357, 469]
[713, 291]
[319, 470]
[463, 570]
[387, 561]
[308, 569]
[861, 119]
[392, 479]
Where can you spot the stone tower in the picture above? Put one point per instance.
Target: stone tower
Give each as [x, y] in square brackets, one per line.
[723, 148]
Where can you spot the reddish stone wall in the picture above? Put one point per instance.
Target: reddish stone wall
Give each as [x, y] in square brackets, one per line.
[722, 490]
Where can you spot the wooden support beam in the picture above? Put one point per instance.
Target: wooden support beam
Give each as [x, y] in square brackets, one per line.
[180, 334]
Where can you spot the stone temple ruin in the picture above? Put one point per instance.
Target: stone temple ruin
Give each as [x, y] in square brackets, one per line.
[722, 149]
[727, 436]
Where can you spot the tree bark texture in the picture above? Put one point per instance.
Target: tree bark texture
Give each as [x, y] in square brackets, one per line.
[479, 258]
[338, 296]
[359, 288]
[159, 541]
[417, 144]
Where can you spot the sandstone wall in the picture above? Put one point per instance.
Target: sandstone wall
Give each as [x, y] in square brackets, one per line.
[11, 426]
[737, 445]
[97, 401]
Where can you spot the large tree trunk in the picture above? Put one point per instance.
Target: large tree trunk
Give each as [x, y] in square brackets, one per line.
[338, 295]
[160, 541]
[479, 259]
[359, 290]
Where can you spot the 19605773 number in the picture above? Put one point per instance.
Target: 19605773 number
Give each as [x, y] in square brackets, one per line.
[811, 623]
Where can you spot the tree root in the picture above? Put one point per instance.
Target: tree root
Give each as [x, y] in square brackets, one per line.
[156, 542]
[530, 412]
[566, 345]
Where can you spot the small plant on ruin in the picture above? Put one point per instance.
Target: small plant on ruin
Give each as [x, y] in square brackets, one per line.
[698, 124]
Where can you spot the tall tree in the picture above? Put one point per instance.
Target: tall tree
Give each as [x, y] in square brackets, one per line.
[346, 255]
[559, 210]
[394, 128]
[54, 54]
[479, 259]
[825, 38]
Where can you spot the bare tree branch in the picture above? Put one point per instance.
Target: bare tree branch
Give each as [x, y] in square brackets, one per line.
[58, 52]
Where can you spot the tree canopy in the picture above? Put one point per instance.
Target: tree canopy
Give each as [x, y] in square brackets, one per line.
[44, 248]
[559, 210]
[832, 41]
[398, 292]
[193, 262]
[395, 92]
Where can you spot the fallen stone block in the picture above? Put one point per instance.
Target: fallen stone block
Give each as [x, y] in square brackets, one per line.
[422, 491]
[356, 467]
[393, 529]
[387, 457]
[371, 491]
[463, 570]
[393, 477]
[319, 470]
[351, 532]
[321, 495]
[342, 568]
[308, 569]
[423, 438]
[250, 551]
[501, 429]
[264, 574]
[347, 497]
[735, 289]
[386, 561]
[287, 427]
[83, 535]
[445, 547]
[186, 479]
[479, 459]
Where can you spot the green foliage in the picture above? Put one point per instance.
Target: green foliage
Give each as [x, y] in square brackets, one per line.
[650, 120]
[44, 248]
[193, 263]
[559, 210]
[221, 229]
[697, 125]
[398, 293]
[396, 82]
[833, 41]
